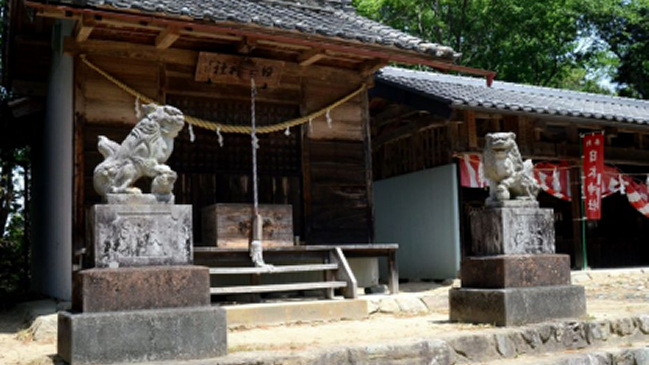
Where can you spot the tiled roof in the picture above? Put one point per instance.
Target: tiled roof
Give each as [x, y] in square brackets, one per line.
[330, 18]
[504, 96]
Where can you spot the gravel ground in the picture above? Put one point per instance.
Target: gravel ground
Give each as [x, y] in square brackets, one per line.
[610, 293]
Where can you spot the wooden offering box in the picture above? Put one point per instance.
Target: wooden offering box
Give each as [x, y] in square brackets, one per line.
[229, 225]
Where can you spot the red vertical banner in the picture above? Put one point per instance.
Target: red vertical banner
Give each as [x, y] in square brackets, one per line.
[593, 169]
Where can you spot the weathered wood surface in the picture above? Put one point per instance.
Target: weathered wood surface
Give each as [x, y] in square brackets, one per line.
[277, 269]
[230, 225]
[339, 195]
[277, 287]
[217, 257]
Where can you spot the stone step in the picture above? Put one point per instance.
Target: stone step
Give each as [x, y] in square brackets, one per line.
[636, 353]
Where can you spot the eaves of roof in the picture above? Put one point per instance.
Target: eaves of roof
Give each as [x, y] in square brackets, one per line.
[503, 97]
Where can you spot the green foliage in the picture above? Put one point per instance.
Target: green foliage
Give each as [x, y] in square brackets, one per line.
[15, 177]
[12, 257]
[525, 41]
[622, 28]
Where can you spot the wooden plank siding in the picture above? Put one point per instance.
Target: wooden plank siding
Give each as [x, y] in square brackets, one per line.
[329, 194]
[338, 199]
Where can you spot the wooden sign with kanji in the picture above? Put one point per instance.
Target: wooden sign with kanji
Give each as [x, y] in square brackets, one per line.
[219, 68]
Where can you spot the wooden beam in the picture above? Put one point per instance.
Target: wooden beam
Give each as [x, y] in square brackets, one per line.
[408, 130]
[392, 113]
[246, 45]
[166, 38]
[130, 50]
[368, 68]
[84, 28]
[311, 56]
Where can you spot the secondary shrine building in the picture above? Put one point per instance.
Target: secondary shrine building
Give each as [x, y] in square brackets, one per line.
[79, 67]
[428, 133]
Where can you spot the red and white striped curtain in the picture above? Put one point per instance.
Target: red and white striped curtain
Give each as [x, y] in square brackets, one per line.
[471, 172]
[554, 179]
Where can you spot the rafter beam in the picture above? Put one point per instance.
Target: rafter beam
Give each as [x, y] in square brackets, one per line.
[166, 38]
[311, 56]
[368, 68]
[84, 28]
[246, 45]
[413, 127]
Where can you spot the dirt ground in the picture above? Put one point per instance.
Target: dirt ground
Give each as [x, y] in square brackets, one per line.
[610, 293]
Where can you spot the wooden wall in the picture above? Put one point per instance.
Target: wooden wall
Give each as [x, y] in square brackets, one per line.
[323, 172]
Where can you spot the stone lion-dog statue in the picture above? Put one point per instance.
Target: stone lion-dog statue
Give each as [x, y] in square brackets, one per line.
[143, 153]
[509, 177]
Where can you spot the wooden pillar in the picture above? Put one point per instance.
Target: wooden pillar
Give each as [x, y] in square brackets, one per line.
[79, 163]
[577, 216]
[472, 131]
[367, 147]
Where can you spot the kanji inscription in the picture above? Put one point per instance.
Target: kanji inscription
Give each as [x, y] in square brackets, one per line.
[219, 68]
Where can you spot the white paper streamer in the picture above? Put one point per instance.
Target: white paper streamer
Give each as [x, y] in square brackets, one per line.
[138, 110]
[192, 136]
[329, 121]
[219, 135]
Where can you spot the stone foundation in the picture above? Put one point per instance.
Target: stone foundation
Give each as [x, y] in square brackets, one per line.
[515, 271]
[142, 336]
[517, 306]
[154, 287]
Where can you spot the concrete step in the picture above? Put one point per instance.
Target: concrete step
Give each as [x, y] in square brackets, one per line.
[283, 313]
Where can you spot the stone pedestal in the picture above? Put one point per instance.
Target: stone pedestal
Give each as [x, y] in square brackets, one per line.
[140, 235]
[515, 277]
[517, 306]
[512, 231]
[153, 287]
[142, 336]
[143, 301]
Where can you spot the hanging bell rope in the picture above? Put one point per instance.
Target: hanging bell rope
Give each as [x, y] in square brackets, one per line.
[213, 126]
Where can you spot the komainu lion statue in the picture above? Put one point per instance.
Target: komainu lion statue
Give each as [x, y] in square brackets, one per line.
[143, 153]
[509, 177]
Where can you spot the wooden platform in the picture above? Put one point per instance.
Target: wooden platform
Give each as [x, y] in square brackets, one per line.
[216, 258]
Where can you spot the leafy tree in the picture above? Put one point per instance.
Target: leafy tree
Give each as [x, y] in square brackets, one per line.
[622, 28]
[525, 41]
[14, 164]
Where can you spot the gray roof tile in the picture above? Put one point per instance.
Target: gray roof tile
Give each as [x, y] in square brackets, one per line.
[331, 18]
[473, 92]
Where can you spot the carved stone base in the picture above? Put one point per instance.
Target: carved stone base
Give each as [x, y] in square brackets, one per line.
[515, 271]
[137, 288]
[141, 235]
[142, 336]
[517, 306]
[512, 231]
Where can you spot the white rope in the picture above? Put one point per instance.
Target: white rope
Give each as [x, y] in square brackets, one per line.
[255, 144]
